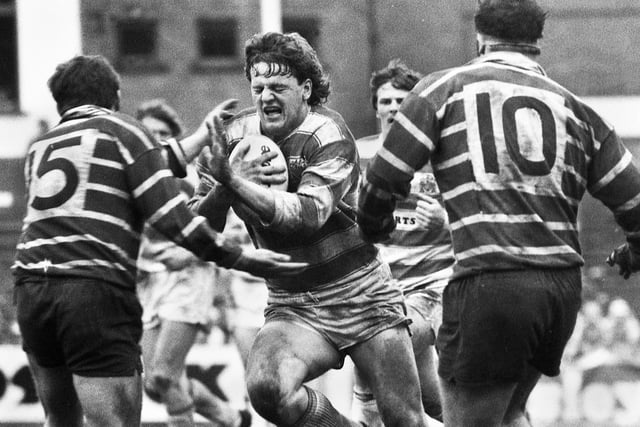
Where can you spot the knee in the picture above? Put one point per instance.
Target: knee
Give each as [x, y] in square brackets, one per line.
[267, 398]
[157, 387]
[433, 408]
[402, 415]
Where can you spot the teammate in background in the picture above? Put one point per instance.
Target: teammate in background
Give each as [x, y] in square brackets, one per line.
[345, 302]
[419, 251]
[92, 181]
[247, 296]
[513, 154]
[176, 290]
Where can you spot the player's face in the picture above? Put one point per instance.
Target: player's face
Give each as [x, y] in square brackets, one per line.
[280, 100]
[159, 129]
[389, 99]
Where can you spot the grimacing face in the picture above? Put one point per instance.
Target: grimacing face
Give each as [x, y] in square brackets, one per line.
[280, 100]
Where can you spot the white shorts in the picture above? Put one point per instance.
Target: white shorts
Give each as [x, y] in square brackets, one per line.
[427, 303]
[182, 296]
[250, 295]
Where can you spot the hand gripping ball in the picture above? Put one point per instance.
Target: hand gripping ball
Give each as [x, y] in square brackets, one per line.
[258, 145]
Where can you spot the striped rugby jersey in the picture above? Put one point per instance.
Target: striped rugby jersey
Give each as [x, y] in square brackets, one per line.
[513, 153]
[92, 182]
[419, 258]
[314, 220]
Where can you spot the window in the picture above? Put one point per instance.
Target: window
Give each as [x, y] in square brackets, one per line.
[217, 41]
[9, 55]
[137, 42]
[308, 28]
[217, 38]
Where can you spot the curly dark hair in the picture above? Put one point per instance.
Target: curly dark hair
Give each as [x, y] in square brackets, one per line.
[85, 79]
[288, 54]
[510, 20]
[159, 109]
[396, 72]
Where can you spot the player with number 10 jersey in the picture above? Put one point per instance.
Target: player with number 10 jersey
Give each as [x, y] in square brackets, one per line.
[509, 159]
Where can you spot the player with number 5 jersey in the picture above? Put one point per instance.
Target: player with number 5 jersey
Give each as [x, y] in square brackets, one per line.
[513, 153]
[92, 182]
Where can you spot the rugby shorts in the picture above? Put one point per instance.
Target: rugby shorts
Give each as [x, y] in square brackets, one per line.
[496, 323]
[90, 326]
[184, 295]
[347, 312]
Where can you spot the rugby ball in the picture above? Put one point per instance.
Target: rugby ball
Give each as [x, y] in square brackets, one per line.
[258, 145]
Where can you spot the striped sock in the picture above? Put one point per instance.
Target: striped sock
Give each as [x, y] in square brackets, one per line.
[321, 413]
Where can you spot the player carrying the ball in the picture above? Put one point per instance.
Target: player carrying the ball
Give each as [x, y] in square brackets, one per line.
[345, 302]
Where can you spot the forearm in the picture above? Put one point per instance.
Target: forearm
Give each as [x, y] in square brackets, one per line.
[212, 203]
[193, 144]
[258, 198]
[375, 213]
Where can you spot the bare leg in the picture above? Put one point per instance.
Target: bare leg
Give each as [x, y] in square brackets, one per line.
[516, 415]
[386, 362]
[475, 406]
[423, 340]
[165, 351]
[284, 355]
[57, 394]
[244, 337]
[113, 401]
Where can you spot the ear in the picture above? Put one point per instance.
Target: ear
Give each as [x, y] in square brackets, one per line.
[307, 87]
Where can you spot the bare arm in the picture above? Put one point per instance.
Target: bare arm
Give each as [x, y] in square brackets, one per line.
[212, 199]
[257, 197]
[193, 144]
[179, 154]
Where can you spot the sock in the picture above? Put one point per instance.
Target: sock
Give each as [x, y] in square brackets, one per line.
[321, 413]
[364, 409]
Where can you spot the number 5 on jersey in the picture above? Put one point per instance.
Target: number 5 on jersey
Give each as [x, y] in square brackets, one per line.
[55, 175]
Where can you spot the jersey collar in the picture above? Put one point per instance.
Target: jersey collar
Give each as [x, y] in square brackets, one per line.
[84, 112]
[514, 59]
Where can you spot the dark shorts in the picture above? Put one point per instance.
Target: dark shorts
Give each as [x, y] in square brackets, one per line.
[87, 325]
[495, 323]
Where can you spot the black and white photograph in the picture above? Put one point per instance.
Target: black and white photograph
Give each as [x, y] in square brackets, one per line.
[323, 213]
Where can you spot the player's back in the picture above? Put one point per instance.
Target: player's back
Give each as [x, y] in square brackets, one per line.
[81, 216]
[513, 157]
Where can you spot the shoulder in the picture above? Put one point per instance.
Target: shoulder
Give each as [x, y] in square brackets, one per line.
[125, 128]
[326, 126]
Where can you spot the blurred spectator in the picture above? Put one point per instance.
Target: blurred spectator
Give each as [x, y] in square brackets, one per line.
[585, 349]
[597, 340]
[622, 330]
[591, 332]
[8, 333]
